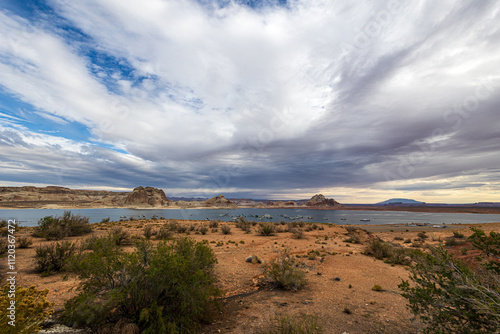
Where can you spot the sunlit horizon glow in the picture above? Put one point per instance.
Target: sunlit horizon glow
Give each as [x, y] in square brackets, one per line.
[269, 99]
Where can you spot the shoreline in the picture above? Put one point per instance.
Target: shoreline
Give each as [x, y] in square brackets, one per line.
[436, 209]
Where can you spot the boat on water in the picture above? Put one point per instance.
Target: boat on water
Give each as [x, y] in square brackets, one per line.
[364, 220]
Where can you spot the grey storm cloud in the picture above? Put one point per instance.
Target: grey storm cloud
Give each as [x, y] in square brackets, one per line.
[275, 100]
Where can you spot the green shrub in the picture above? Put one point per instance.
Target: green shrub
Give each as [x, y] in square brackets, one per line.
[164, 233]
[244, 224]
[165, 289]
[458, 235]
[203, 230]
[53, 257]
[105, 220]
[57, 228]
[3, 246]
[452, 242]
[297, 234]
[32, 309]
[119, 235]
[490, 245]
[449, 297]
[266, 229]
[292, 324]
[182, 228]
[225, 229]
[213, 224]
[379, 249]
[422, 235]
[283, 273]
[24, 242]
[390, 253]
[148, 231]
[377, 287]
[353, 239]
[172, 226]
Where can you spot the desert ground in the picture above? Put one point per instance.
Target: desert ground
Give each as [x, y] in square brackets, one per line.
[340, 279]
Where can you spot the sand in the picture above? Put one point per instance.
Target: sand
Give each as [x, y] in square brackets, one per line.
[339, 289]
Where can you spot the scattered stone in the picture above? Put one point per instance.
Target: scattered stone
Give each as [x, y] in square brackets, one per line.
[61, 329]
[336, 279]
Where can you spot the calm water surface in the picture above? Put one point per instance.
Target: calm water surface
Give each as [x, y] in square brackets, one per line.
[30, 217]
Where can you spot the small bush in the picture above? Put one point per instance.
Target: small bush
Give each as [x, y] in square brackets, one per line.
[266, 229]
[3, 245]
[379, 249]
[390, 253]
[350, 229]
[283, 273]
[53, 257]
[57, 228]
[292, 324]
[422, 235]
[377, 287]
[203, 230]
[119, 235]
[458, 235]
[24, 242]
[451, 242]
[32, 309]
[244, 224]
[353, 239]
[298, 234]
[311, 256]
[172, 226]
[182, 228]
[226, 229]
[213, 224]
[407, 241]
[105, 220]
[148, 231]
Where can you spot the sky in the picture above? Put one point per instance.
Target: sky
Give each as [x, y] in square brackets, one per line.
[361, 101]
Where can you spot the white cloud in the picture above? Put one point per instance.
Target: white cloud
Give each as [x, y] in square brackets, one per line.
[319, 88]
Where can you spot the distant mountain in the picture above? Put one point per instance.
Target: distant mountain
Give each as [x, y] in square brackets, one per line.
[399, 201]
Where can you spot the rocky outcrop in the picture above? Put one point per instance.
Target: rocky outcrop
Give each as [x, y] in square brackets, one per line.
[148, 196]
[219, 201]
[320, 201]
[38, 197]
[281, 204]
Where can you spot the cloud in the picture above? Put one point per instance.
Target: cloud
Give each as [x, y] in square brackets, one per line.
[276, 97]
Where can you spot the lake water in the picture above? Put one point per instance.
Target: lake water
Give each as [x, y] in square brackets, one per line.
[30, 217]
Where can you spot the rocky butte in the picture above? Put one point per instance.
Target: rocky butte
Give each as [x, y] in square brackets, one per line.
[320, 201]
[219, 201]
[148, 196]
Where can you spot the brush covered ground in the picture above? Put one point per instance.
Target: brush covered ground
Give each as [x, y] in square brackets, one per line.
[340, 277]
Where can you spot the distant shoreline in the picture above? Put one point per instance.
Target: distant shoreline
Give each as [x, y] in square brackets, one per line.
[409, 208]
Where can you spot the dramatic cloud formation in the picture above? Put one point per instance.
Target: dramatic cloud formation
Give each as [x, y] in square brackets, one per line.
[265, 99]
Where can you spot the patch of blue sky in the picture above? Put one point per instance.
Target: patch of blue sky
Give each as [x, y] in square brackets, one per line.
[29, 9]
[17, 113]
[108, 69]
[254, 4]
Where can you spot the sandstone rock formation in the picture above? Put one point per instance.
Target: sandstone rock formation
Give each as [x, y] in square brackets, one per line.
[320, 201]
[37, 197]
[148, 196]
[219, 201]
